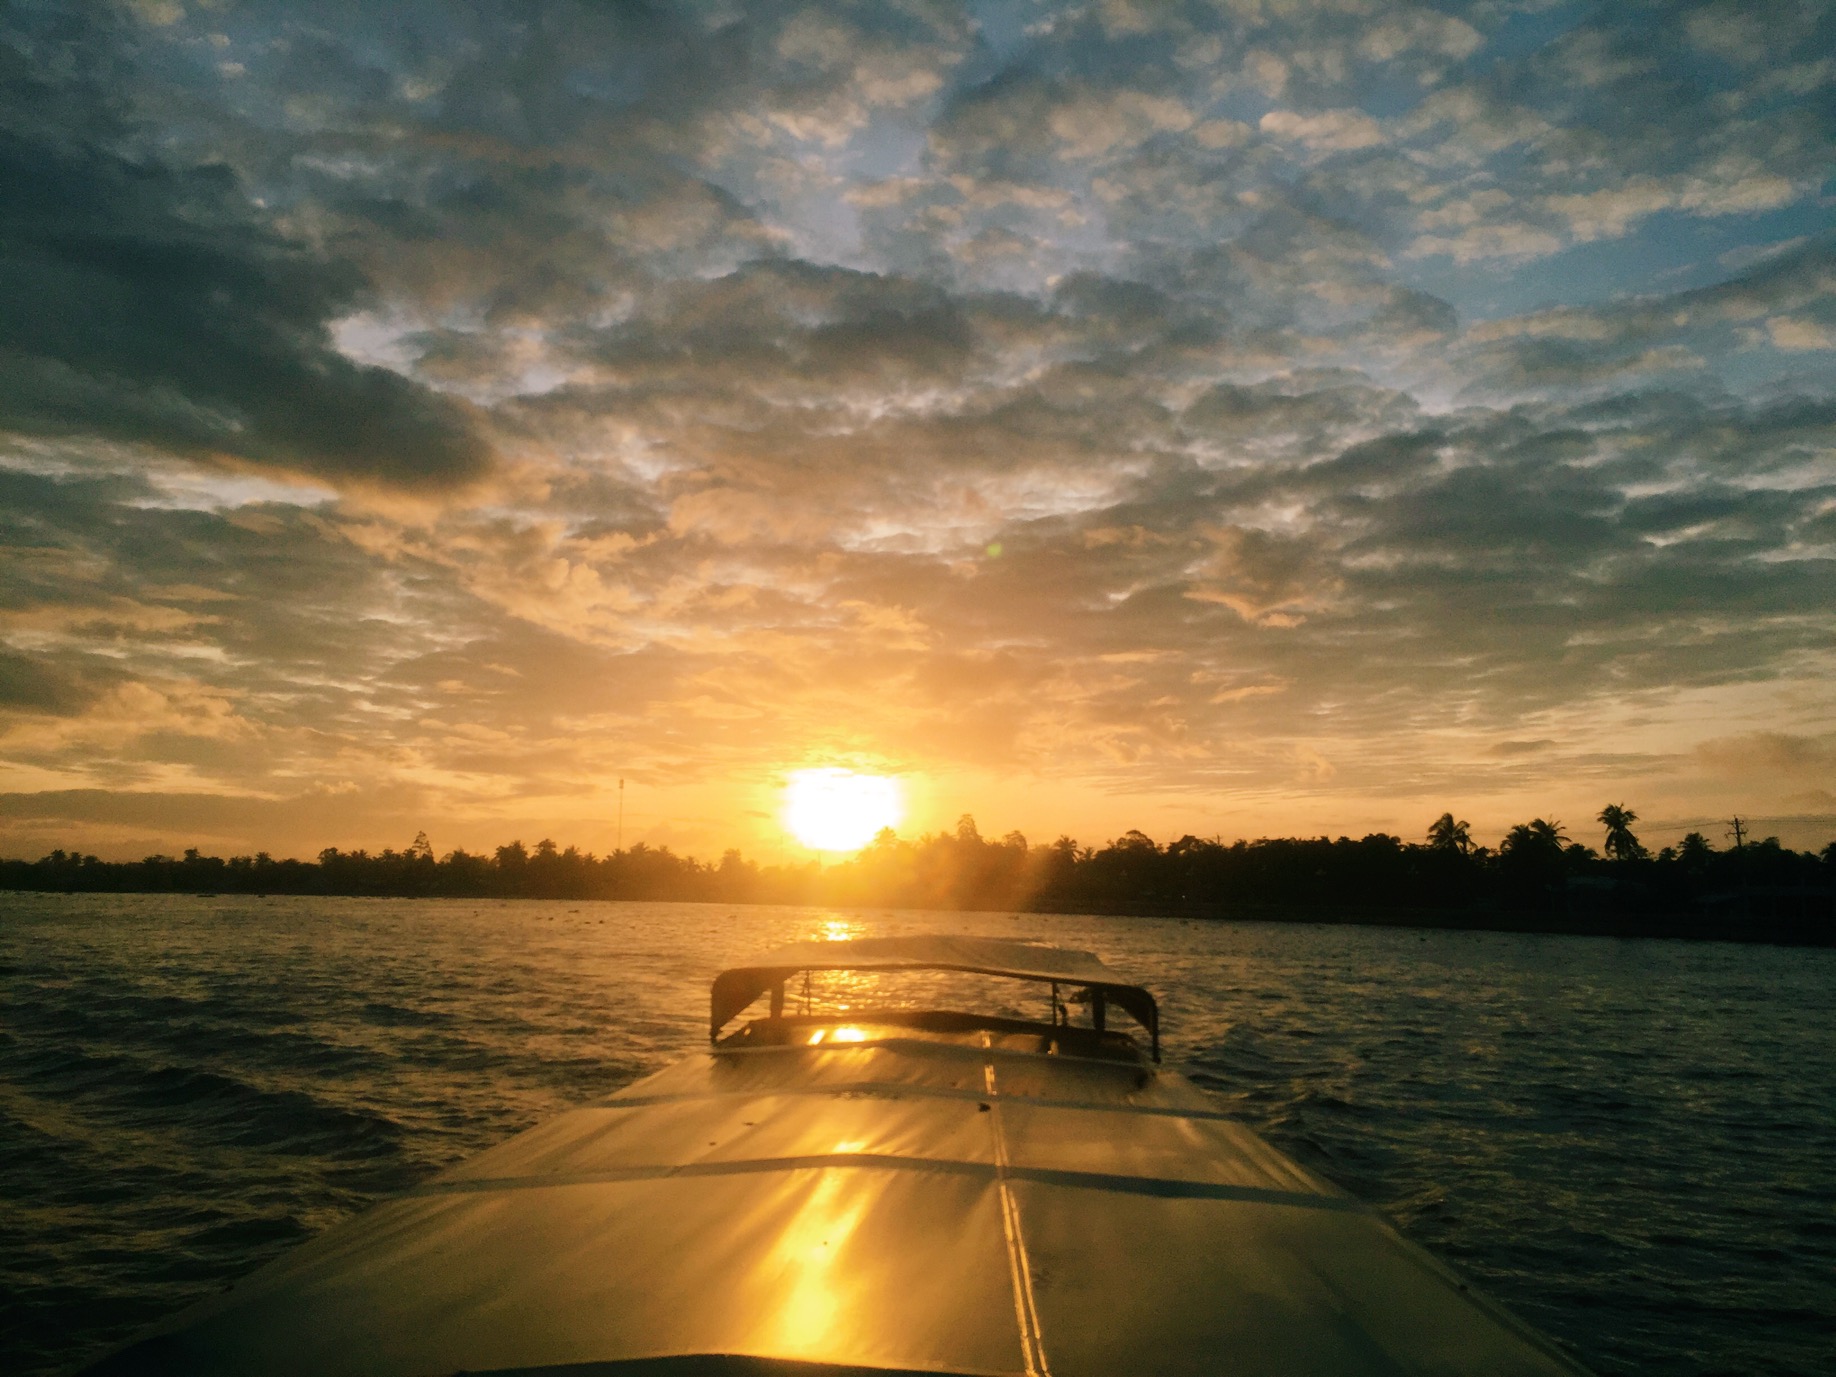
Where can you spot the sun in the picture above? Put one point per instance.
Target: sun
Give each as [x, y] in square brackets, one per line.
[831, 809]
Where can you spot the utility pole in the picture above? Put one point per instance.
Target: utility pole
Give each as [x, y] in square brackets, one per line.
[621, 813]
[1738, 830]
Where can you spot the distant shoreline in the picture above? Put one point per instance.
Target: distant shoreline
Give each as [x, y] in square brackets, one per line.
[1537, 881]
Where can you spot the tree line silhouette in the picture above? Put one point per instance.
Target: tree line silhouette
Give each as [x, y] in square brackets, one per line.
[1537, 876]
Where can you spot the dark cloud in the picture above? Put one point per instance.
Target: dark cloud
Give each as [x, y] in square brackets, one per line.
[150, 303]
[36, 685]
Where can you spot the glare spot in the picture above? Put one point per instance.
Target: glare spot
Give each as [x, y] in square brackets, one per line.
[807, 1258]
[832, 809]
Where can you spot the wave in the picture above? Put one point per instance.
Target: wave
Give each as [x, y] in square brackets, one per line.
[1639, 1157]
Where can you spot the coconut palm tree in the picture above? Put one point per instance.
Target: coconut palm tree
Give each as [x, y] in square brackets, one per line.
[1444, 834]
[1536, 844]
[1538, 836]
[1530, 861]
[1621, 845]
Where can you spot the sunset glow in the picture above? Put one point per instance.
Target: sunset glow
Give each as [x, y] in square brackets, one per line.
[838, 810]
[1230, 420]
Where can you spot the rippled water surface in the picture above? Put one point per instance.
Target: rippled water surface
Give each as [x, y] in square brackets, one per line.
[1633, 1144]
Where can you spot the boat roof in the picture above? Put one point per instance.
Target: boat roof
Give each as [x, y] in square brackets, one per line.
[738, 986]
[836, 1209]
[880, 1204]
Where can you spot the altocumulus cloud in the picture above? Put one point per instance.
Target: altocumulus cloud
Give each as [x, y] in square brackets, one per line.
[1284, 416]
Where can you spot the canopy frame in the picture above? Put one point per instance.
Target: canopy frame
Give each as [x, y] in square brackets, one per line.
[736, 988]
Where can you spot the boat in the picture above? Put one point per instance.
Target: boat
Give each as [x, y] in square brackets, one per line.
[875, 1189]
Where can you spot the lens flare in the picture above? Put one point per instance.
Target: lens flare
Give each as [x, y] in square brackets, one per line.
[831, 809]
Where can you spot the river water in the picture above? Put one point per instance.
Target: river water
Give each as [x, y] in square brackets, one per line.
[1631, 1143]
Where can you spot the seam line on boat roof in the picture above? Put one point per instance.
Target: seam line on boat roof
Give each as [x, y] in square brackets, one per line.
[1162, 1187]
[938, 1050]
[890, 1090]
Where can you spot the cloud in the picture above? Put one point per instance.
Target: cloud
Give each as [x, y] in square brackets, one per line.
[1268, 409]
[1329, 131]
[150, 303]
[1667, 332]
[39, 686]
[1797, 334]
[1772, 753]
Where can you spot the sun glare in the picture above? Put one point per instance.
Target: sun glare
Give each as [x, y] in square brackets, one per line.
[838, 810]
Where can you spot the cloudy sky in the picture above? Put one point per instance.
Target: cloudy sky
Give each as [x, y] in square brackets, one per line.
[1240, 418]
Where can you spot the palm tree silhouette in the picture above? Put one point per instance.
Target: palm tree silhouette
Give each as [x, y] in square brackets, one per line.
[1539, 838]
[1444, 834]
[1621, 845]
[1539, 832]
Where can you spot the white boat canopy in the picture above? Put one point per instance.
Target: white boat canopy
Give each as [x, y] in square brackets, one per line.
[736, 988]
